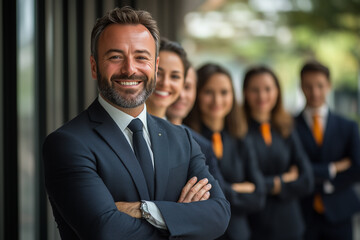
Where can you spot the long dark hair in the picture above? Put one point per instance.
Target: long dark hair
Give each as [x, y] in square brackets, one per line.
[232, 120]
[281, 120]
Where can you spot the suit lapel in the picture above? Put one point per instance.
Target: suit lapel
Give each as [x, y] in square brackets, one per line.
[160, 148]
[307, 133]
[226, 147]
[113, 136]
[328, 133]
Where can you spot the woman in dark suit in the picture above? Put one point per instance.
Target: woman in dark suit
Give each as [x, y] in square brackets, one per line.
[216, 116]
[281, 158]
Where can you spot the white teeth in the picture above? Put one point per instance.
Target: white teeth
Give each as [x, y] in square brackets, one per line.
[162, 93]
[128, 83]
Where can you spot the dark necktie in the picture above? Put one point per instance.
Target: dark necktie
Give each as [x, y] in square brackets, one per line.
[141, 151]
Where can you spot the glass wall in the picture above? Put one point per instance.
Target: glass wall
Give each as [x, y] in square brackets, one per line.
[1, 133]
[26, 116]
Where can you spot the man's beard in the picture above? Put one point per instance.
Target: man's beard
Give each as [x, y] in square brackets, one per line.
[109, 92]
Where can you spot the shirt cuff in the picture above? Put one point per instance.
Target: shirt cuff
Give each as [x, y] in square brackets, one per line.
[328, 187]
[156, 219]
[332, 170]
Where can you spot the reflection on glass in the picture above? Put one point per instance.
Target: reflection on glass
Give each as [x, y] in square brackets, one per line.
[26, 115]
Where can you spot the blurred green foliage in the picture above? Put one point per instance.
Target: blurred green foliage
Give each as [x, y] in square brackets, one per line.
[282, 34]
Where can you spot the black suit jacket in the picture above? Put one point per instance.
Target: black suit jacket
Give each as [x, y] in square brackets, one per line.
[89, 165]
[341, 139]
[237, 165]
[281, 218]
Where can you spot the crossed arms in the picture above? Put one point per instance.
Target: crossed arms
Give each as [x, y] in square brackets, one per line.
[86, 205]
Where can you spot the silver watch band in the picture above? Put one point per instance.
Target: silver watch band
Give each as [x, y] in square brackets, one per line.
[144, 210]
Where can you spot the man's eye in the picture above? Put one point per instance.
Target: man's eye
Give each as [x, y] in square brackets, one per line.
[142, 58]
[115, 57]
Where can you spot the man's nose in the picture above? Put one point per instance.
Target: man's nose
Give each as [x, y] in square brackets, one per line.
[128, 67]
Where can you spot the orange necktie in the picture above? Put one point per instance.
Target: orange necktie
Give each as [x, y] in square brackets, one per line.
[317, 130]
[266, 133]
[318, 204]
[217, 145]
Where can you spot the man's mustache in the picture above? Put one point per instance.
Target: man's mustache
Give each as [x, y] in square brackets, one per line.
[126, 77]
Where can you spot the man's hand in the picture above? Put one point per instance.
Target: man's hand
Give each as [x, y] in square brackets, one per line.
[277, 186]
[291, 175]
[342, 165]
[244, 187]
[193, 192]
[130, 208]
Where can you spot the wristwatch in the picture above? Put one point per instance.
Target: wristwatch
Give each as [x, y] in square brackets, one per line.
[144, 210]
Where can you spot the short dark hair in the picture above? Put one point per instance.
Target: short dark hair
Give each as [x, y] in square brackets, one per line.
[175, 47]
[124, 15]
[314, 66]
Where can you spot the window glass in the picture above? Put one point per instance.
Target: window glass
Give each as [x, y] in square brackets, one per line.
[26, 116]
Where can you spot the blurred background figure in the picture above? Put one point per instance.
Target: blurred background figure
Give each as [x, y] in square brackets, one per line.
[333, 145]
[180, 109]
[282, 160]
[172, 70]
[183, 105]
[170, 86]
[216, 116]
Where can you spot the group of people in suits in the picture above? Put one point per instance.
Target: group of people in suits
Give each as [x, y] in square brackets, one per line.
[166, 152]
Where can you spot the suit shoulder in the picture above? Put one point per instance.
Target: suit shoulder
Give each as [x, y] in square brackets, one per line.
[74, 127]
[341, 119]
[167, 126]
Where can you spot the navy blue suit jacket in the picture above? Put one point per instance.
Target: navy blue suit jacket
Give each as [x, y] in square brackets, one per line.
[237, 165]
[281, 218]
[341, 139]
[89, 165]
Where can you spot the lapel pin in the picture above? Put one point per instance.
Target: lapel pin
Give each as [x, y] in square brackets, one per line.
[159, 134]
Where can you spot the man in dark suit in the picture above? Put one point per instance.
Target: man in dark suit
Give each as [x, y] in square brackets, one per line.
[116, 172]
[332, 144]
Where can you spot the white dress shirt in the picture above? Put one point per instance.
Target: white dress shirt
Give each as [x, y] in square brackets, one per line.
[123, 120]
[322, 112]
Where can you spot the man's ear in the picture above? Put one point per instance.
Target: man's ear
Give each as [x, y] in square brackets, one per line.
[93, 67]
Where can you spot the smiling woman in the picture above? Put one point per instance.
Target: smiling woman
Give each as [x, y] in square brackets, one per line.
[173, 66]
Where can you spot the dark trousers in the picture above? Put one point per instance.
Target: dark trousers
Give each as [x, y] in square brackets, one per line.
[319, 228]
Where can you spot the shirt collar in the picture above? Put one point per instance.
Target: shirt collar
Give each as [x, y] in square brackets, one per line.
[122, 119]
[322, 111]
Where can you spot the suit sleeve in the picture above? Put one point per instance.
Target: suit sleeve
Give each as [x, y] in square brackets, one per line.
[79, 196]
[197, 220]
[350, 176]
[305, 182]
[248, 202]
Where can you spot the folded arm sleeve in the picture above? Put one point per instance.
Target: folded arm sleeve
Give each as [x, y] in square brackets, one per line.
[305, 182]
[352, 175]
[248, 202]
[197, 220]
